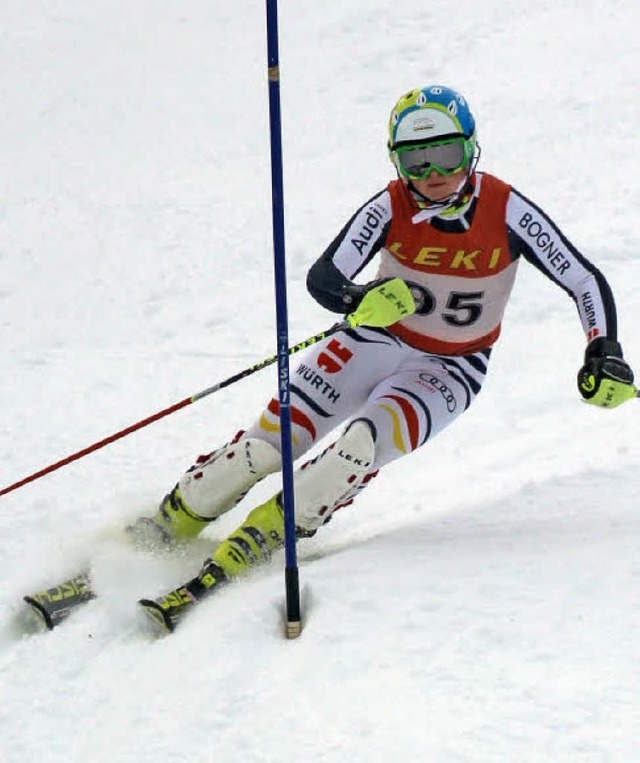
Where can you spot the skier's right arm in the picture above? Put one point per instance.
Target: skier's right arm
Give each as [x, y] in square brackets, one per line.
[330, 279]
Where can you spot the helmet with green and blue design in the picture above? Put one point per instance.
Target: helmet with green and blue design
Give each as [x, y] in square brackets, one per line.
[431, 116]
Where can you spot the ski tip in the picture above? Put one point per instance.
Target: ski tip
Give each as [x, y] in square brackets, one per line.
[35, 615]
[156, 617]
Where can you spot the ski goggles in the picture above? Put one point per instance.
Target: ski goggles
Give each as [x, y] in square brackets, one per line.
[444, 157]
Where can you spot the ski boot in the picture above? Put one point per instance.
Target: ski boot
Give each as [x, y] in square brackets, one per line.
[173, 523]
[252, 543]
[167, 611]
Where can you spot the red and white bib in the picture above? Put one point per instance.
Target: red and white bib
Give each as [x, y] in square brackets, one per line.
[469, 274]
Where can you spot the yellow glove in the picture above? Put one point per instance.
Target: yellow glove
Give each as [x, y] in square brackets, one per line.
[385, 303]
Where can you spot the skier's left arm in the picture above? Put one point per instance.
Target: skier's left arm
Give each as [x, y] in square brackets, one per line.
[605, 378]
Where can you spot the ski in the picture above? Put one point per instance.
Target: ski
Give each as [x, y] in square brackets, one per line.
[166, 612]
[46, 609]
[51, 606]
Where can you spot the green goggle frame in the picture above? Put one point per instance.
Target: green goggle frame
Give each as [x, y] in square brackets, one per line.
[446, 157]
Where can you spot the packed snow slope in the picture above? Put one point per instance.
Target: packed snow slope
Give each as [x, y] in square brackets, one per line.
[480, 601]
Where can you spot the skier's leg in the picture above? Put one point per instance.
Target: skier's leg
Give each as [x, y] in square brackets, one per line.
[212, 486]
[411, 407]
[319, 486]
[402, 413]
[332, 380]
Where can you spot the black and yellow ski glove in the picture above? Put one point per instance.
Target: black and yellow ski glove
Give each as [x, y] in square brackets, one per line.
[382, 303]
[605, 379]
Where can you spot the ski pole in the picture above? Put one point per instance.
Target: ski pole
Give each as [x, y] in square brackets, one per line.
[176, 407]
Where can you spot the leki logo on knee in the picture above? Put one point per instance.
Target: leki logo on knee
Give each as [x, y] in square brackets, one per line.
[353, 459]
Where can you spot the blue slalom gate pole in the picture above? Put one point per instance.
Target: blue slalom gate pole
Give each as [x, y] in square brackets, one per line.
[292, 586]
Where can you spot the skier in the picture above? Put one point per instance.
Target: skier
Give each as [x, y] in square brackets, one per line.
[448, 240]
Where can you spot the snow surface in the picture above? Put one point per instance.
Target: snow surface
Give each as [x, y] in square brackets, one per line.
[480, 602]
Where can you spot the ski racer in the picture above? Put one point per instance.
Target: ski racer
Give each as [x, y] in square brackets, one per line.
[448, 240]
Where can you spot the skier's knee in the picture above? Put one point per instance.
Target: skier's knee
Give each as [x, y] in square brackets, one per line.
[216, 485]
[333, 477]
